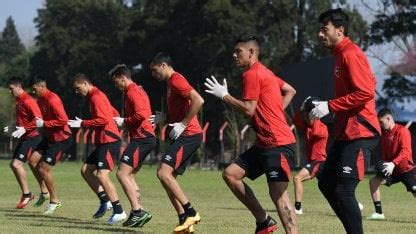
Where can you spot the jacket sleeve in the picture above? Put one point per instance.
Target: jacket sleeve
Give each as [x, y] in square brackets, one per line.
[404, 145]
[98, 110]
[319, 130]
[34, 109]
[362, 83]
[61, 118]
[137, 115]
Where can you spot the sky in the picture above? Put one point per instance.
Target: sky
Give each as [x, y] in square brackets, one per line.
[24, 11]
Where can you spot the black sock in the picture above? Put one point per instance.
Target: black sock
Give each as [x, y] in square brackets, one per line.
[298, 205]
[136, 212]
[182, 218]
[45, 194]
[103, 197]
[117, 209]
[26, 194]
[189, 210]
[377, 206]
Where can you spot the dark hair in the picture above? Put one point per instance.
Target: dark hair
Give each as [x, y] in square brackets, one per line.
[15, 80]
[38, 80]
[80, 77]
[337, 17]
[119, 70]
[248, 38]
[385, 111]
[162, 57]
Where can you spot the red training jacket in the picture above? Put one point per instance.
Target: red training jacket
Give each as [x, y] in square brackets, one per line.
[26, 111]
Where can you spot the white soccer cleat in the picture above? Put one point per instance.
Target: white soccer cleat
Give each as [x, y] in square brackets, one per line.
[51, 207]
[376, 216]
[299, 212]
[117, 217]
[361, 206]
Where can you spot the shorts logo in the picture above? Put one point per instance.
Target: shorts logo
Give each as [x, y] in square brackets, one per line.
[168, 158]
[337, 72]
[347, 170]
[48, 160]
[21, 156]
[126, 158]
[273, 174]
[100, 164]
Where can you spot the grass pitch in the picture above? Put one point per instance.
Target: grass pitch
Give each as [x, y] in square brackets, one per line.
[220, 211]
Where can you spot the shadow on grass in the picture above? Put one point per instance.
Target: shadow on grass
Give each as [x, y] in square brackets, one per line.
[40, 220]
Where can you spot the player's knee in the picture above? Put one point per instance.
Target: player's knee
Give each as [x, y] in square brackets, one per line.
[122, 175]
[15, 165]
[228, 176]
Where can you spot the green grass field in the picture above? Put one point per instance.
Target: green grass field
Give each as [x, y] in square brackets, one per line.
[220, 211]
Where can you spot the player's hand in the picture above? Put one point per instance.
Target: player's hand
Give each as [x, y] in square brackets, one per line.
[320, 110]
[157, 118]
[119, 121]
[177, 129]
[388, 168]
[39, 122]
[19, 132]
[216, 88]
[75, 123]
[303, 106]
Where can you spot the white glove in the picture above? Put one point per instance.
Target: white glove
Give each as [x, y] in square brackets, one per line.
[216, 88]
[19, 132]
[39, 122]
[320, 110]
[75, 123]
[119, 121]
[302, 107]
[177, 130]
[157, 118]
[388, 168]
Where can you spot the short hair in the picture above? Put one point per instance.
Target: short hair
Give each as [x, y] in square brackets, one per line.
[38, 81]
[162, 57]
[81, 77]
[338, 18]
[248, 38]
[119, 70]
[15, 80]
[383, 112]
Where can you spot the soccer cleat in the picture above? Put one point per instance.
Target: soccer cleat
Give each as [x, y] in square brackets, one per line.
[102, 209]
[42, 198]
[138, 220]
[51, 207]
[191, 229]
[189, 221]
[360, 205]
[376, 216]
[24, 201]
[299, 212]
[269, 226]
[116, 218]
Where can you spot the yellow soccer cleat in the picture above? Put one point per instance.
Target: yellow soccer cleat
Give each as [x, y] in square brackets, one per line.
[191, 220]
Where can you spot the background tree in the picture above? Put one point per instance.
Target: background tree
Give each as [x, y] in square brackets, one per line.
[10, 44]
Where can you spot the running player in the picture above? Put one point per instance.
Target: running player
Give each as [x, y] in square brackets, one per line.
[142, 140]
[99, 164]
[25, 129]
[265, 96]
[356, 130]
[56, 141]
[397, 161]
[184, 104]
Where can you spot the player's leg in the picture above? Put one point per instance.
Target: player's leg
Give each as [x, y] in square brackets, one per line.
[375, 183]
[298, 179]
[280, 198]
[33, 162]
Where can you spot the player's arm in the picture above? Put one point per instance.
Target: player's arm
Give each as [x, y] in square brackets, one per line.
[98, 109]
[33, 107]
[196, 104]
[137, 115]
[362, 81]
[248, 107]
[288, 92]
[61, 118]
[404, 140]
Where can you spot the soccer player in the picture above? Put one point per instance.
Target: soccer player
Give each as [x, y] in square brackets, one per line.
[142, 140]
[25, 129]
[56, 141]
[186, 135]
[108, 142]
[397, 161]
[265, 96]
[316, 138]
[356, 130]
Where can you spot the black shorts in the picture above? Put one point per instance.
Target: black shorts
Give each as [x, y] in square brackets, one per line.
[314, 168]
[179, 153]
[52, 152]
[408, 179]
[275, 162]
[137, 151]
[26, 147]
[349, 159]
[104, 155]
